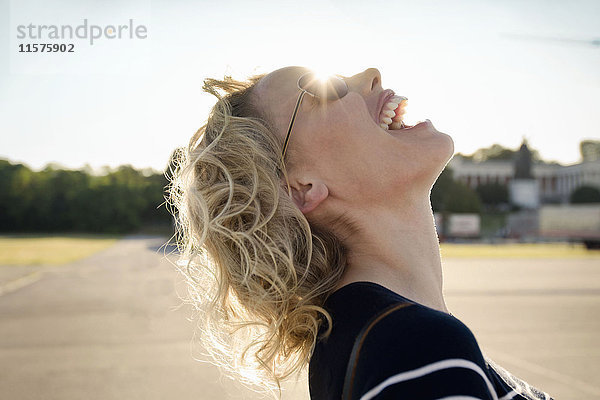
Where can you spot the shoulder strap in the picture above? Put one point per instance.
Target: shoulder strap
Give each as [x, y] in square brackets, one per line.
[351, 369]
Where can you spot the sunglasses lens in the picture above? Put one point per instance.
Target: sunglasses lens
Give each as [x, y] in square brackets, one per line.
[332, 88]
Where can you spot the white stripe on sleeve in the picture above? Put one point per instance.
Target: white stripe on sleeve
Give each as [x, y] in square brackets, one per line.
[428, 369]
[509, 395]
[460, 398]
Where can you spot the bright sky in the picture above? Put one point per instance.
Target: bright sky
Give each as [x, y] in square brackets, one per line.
[475, 68]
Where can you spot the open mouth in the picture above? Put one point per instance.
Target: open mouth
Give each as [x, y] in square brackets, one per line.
[392, 113]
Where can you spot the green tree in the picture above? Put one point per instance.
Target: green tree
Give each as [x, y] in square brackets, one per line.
[448, 195]
[492, 193]
[441, 189]
[57, 199]
[462, 199]
[15, 194]
[585, 194]
[497, 152]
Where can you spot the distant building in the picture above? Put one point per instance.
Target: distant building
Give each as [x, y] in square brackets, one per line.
[555, 182]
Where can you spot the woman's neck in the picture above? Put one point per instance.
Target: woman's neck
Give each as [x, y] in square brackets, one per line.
[399, 249]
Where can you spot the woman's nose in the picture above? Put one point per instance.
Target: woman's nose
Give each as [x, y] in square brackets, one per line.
[365, 82]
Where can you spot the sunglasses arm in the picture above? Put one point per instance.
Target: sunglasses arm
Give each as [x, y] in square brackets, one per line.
[287, 136]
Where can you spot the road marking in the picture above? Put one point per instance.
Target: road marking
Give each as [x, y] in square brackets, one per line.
[20, 282]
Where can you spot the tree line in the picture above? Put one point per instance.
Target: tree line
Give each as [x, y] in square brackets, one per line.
[62, 200]
[125, 199]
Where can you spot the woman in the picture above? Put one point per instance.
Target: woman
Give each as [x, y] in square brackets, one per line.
[304, 209]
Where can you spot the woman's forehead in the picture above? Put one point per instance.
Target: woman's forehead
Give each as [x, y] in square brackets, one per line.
[276, 94]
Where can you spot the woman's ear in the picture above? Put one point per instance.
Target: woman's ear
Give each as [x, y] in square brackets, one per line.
[308, 197]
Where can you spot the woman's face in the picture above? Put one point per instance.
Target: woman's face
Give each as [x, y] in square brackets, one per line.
[342, 145]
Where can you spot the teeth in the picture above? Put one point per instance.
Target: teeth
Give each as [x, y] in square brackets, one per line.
[388, 113]
[397, 125]
[400, 113]
[392, 113]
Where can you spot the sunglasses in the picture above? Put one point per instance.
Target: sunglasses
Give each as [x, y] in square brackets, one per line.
[330, 89]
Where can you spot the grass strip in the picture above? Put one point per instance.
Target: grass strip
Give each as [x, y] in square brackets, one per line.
[49, 249]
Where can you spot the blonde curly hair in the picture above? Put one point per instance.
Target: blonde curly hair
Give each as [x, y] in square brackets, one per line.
[256, 271]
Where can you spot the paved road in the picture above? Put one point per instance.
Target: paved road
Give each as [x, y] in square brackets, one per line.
[106, 328]
[539, 319]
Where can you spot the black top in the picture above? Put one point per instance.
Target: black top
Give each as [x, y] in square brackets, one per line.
[404, 350]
